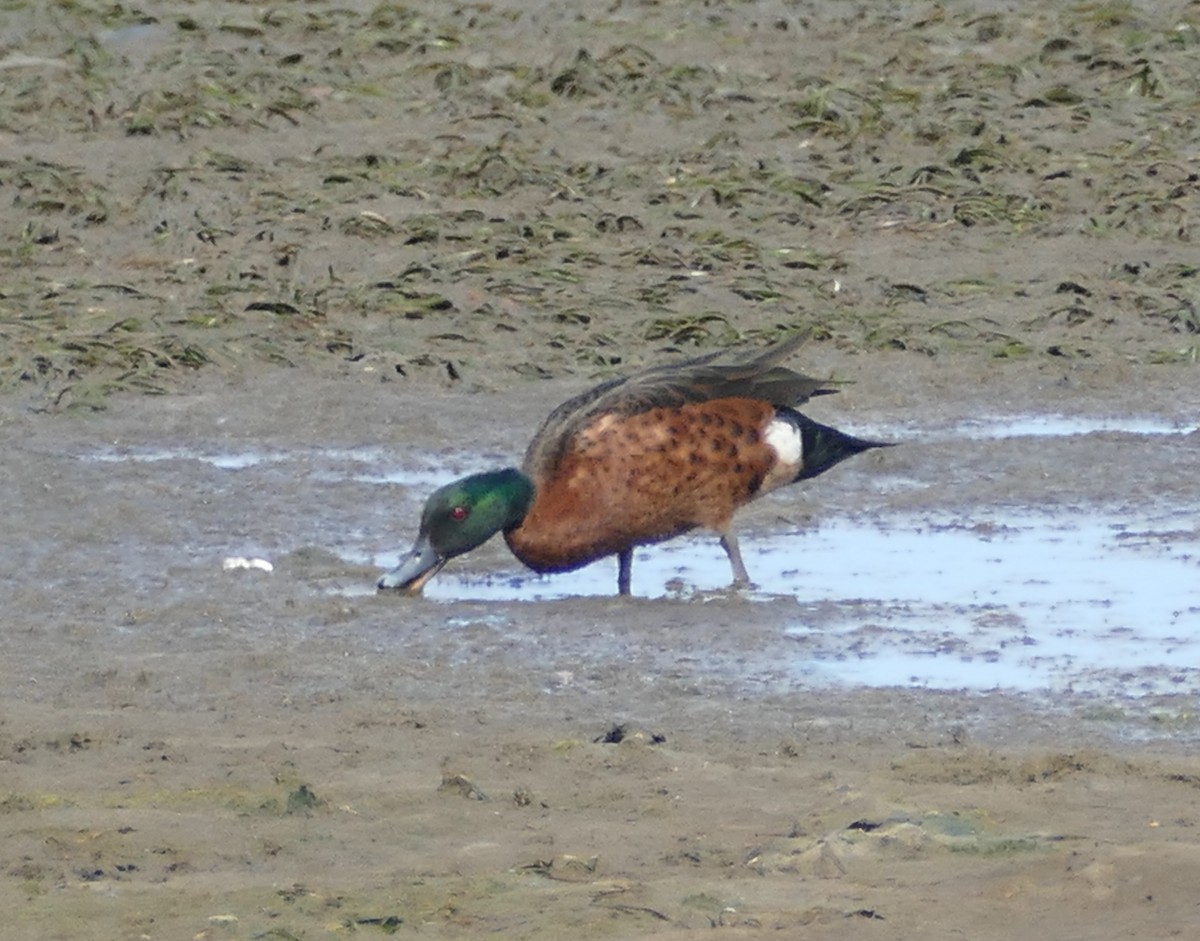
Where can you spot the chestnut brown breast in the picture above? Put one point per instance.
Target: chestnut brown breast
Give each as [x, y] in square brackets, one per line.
[627, 480]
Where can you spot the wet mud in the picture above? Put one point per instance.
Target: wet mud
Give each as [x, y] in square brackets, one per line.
[270, 276]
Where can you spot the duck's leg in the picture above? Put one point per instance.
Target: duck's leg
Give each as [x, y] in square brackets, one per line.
[729, 543]
[624, 570]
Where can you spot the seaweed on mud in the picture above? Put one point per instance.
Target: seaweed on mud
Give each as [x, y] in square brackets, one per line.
[704, 330]
[610, 173]
[43, 189]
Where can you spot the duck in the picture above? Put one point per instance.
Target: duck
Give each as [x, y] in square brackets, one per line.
[639, 460]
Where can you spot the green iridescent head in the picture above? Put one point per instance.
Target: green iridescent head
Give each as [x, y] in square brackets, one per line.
[457, 518]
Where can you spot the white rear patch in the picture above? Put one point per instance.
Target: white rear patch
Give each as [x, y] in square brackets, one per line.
[783, 438]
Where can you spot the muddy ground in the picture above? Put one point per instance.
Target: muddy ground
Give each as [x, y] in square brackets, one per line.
[236, 238]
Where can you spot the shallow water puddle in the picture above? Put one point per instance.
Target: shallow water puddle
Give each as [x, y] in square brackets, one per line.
[1024, 603]
[236, 460]
[371, 462]
[1063, 426]
[1018, 602]
[1003, 600]
[367, 464]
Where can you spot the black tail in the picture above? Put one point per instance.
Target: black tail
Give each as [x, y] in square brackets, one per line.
[824, 446]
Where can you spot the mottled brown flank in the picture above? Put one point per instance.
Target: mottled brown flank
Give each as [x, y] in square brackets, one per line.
[640, 479]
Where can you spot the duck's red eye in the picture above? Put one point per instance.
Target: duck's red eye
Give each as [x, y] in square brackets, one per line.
[459, 513]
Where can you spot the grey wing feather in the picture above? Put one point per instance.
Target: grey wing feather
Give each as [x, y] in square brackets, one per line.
[702, 379]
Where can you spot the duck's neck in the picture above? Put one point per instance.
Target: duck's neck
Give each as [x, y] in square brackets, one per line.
[513, 490]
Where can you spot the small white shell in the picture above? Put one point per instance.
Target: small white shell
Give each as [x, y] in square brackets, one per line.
[235, 562]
